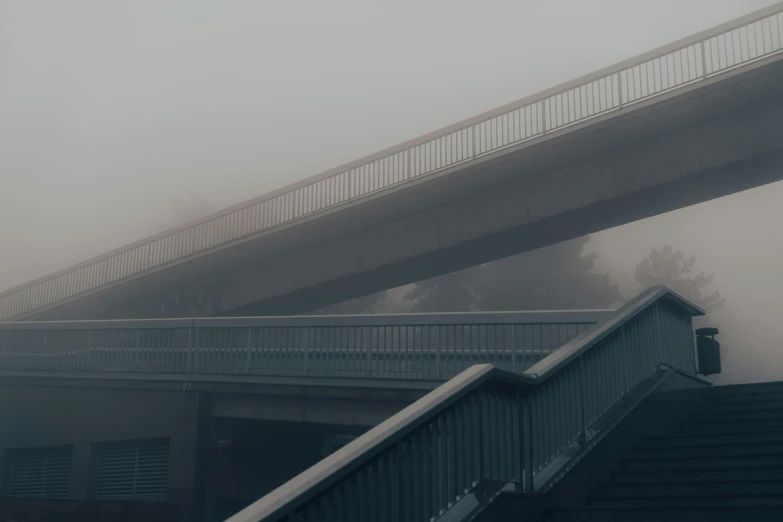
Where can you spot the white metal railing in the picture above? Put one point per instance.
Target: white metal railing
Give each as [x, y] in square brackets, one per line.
[487, 425]
[708, 54]
[395, 346]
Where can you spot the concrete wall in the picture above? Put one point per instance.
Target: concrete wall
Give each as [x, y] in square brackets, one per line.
[263, 455]
[276, 427]
[35, 416]
[71, 510]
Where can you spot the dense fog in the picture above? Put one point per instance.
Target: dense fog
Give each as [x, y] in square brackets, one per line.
[119, 120]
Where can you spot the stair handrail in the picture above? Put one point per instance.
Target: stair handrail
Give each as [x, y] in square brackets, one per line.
[550, 365]
[325, 487]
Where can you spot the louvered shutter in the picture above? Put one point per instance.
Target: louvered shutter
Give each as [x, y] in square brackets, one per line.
[40, 472]
[133, 469]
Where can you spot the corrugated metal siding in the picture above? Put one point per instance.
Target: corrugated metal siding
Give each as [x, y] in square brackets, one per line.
[133, 469]
[40, 472]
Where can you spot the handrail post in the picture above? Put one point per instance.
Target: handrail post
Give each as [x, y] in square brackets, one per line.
[137, 358]
[46, 350]
[248, 345]
[482, 425]
[89, 349]
[658, 331]
[582, 435]
[306, 355]
[191, 362]
[396, 485]
[703, 60]
[437, 354]
[369, 355]
[527, 443]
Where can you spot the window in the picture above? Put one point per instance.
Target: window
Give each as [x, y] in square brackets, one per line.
[132, 469]
[40, 472]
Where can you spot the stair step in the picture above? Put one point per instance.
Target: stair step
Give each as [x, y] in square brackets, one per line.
[736, 416]
[660, 513]
[742, 398]
[726, 450]
[741, 389]
[678, 490]
[723, 426]
[687, 441]
[694, 501]
[703, 463]
[731, 407]
[698, 475]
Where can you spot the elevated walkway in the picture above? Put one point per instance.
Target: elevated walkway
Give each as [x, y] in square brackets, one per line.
[686, 123]
[349, 348]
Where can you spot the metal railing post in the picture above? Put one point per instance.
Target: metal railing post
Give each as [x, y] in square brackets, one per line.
[527, 443]
[703, 60]
[89, 349]
[397, 485]
[437, 354]
[137, 351]
[369, 355]
[190, 362]
[545, 116]
[248, 346]
[306, 357]
[582, 436]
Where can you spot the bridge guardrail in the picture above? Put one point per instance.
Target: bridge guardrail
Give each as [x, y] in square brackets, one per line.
[397, 346]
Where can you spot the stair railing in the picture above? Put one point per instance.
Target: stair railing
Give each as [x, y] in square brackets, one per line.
[487, 428]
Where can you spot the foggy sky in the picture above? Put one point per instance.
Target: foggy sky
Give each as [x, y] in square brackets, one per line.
[119, 118]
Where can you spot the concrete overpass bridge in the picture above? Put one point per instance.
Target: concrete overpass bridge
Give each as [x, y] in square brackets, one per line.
[691, 121]
[348, 349]
[353, 370]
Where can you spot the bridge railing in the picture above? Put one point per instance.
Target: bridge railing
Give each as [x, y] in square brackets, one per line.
[676, 66]
[487, 427]
[396, 346]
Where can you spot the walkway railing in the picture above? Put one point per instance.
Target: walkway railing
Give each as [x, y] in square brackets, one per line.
[676, 66]
[396, 346]
[487, 426]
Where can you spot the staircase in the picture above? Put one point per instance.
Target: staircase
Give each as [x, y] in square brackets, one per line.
[724, 464]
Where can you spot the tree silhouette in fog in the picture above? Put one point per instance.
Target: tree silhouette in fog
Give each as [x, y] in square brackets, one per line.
[677, 271]
[561, 276]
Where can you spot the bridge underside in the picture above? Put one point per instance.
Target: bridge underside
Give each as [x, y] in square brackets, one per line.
[720, 137]
[348, 402]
